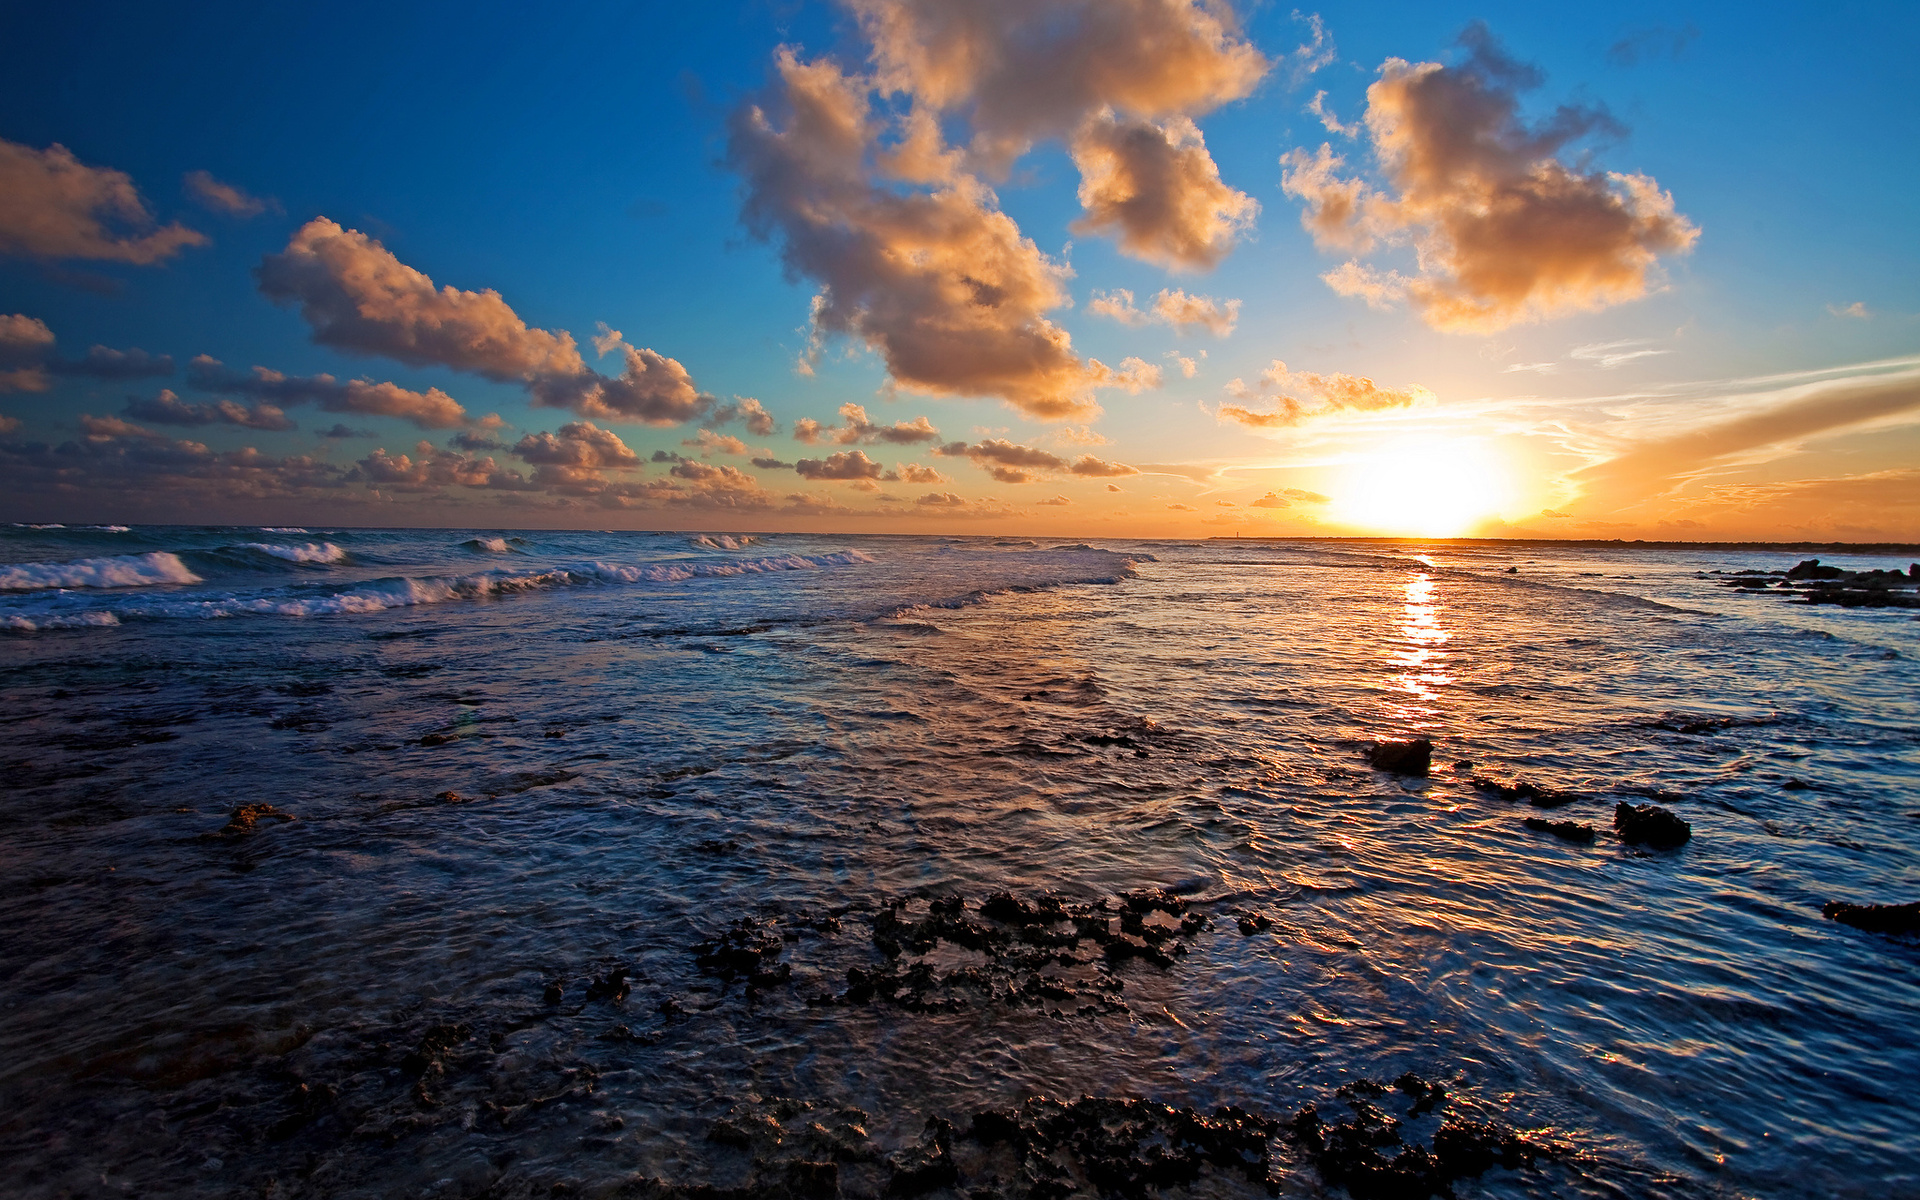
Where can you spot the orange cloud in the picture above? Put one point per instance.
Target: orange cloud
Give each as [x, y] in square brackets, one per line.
[1504, 231]
[224, 197]
[431, 409]
[1170, 306]
[1326, 395]
[54, 206]
[1157, 191]
[846, 464]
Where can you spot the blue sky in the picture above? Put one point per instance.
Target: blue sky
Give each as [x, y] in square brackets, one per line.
[576, 161]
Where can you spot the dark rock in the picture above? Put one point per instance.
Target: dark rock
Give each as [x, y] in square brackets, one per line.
[746, 951]
[1513, 570]
[613, 987]
[920, 1169]
[1253, 922]
[1402, 757]
[1123, 1148]
[1463, 764]
[1795, 785]
[432, 1048]
[1571, 831]
[435, 739]
[1651, 825]
[246, 819]
[1875, 918]
[555, 991]
[1811, 569]
[1520, 789]
[716, 846]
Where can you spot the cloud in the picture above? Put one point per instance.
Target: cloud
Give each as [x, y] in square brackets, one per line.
[1188, 367]
[746, 409]
[168, 409]
[430, 468]
[100, 429]
[1611, 354]
[1186, 313]
[1095, 468]
[142, 471]
[939, 283]
[1182, 508]
[1287, 498]
[54, 206]
[102, 362]
[1503, 230]
[772, 464]
[1654, 466]
[1324, 395]
[1318, 107]
[27, 359]
[856, 429]
[708, 443]
[431, 409]
[343, 431]
[1170, 306]
[1857, 310]
[1029, 69]
[25, 346]
[466, 439]
[915, 473]
[1316, 52]
[224, 197]
[847, 464]
[1057, 500]
[9, 424]
[358, 297]
[1154, 188]
[577, 444]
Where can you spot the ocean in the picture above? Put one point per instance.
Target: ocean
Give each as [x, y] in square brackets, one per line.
[408, 863]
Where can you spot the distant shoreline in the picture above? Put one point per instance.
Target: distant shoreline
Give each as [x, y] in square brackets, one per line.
[1625, 543]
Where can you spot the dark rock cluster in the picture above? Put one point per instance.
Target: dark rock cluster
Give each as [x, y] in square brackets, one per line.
[1650, 825]
[1414, 757]
[1875, 918]
[1809, 582]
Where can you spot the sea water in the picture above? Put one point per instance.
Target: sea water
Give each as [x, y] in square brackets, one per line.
[519, 762]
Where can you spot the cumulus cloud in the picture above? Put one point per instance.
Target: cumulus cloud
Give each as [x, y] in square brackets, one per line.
[577, 444]
[167, 408]
[846, 464]
[939, 283]
[1324, 395]
[749, 412]
[225, 197]
[54, 206]
[1502, 229]
[1010, 462]
[1153, 187]
[1288, 497]
[358, 297]
[145, 472]
[28, 361]
[1170, 306]
[431, 409]
[100, 429]
[430, 468]
[772, 464]
[709, 443]
[915, 473]
[25, 346]
[857, 429]
[1056, 500]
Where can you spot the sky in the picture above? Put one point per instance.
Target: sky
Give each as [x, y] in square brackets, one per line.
[1133, 268]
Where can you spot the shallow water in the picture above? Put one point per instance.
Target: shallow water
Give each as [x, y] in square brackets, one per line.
[652, 736]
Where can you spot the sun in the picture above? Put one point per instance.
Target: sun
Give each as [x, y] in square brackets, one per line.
[1425, 487]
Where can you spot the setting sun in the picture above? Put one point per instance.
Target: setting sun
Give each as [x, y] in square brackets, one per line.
[1430, 487]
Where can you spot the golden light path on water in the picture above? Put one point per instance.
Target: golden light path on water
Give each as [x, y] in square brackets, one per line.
[1420, 655]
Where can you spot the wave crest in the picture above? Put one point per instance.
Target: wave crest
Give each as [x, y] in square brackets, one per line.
[118, 570]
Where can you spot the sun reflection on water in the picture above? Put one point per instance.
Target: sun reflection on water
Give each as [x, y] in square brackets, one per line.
[1420, 655]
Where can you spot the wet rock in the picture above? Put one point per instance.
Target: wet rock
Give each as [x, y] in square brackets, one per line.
[716, 846]
[1413, 757]
[1569, 831]
[1650, 825]
[746, 952]
[917, 1170]
[613, 986]
[1875, 918]
[1253, 922]
[246, 819]
[554, 992]
[1521, 789]
[436, 739]
[1811, 569]
[1352, 1152]
[1123, 1147]
[433, 1046]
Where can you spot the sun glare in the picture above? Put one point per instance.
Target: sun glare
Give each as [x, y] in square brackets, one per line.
[1427, 488]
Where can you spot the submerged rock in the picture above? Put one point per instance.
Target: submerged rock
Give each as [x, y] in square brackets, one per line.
[1875, 918]
[1571, 831]
[1520, 789]
[1413, 757]
[1651, 825]
[246, 819]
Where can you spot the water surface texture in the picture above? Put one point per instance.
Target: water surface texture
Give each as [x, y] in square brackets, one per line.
[537, 781]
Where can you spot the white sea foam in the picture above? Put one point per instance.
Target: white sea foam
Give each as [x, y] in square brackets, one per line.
[488, 545]
[22, 624]
[120, 570]
[282, 529]
[722, 541]
[310, 552]
[108, 528]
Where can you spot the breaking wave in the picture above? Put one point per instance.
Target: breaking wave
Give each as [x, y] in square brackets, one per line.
[311, 552]
[119, 570]
[722, 541]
